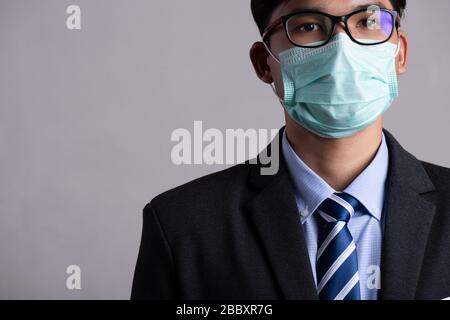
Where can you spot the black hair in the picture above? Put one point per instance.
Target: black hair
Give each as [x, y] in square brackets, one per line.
[262, 10]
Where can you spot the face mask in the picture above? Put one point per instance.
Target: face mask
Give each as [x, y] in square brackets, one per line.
[341, 88]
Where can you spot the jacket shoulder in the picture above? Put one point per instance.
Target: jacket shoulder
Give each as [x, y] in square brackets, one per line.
[440, 177]
[438, 174]
[205, 192]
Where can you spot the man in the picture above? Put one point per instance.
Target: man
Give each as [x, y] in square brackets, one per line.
[349, 215]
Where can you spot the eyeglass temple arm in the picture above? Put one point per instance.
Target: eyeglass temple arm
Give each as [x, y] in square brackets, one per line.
[271, 27]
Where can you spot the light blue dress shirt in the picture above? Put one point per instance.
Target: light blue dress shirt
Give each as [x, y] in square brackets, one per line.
[366, 227]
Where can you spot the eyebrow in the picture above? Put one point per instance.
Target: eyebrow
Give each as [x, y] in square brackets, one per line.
[320, 8]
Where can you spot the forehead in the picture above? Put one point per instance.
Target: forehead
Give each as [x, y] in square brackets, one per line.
[334, 7]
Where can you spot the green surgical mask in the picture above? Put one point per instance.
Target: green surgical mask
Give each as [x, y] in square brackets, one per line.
[341, 88]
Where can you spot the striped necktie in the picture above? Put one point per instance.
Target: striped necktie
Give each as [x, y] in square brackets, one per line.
[337, 263]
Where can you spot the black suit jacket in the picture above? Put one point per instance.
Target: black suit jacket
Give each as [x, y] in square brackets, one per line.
[236, 234]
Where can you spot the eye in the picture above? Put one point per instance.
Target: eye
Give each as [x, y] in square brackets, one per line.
[309, 27]
[369, 23]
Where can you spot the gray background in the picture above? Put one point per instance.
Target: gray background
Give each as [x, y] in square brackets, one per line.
[86, 118]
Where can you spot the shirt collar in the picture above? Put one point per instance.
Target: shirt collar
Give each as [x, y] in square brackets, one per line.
[311, 190]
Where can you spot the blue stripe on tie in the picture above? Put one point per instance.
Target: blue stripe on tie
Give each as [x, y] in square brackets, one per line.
[337, 267]
[333, 251]
[354, 294]
[351, 200]
[335, 210]
[339, 279]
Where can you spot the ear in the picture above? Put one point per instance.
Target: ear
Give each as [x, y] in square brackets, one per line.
[259, 56]
[402, 58]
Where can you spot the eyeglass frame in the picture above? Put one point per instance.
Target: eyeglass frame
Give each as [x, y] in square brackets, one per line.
[336, 19]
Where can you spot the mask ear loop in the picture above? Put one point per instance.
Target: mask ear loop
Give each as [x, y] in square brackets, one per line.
[399, 46]
[270, 52]
[277, 60]
[275, 92]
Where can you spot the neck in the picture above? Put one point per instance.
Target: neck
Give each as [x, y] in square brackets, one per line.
[337, 161]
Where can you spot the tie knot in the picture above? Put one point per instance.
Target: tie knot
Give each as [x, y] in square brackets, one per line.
[340, 206]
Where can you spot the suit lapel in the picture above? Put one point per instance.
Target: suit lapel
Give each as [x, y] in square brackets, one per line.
[274, 214]
[408, 218]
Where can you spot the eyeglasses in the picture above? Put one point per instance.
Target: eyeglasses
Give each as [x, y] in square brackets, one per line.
[310, 29]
